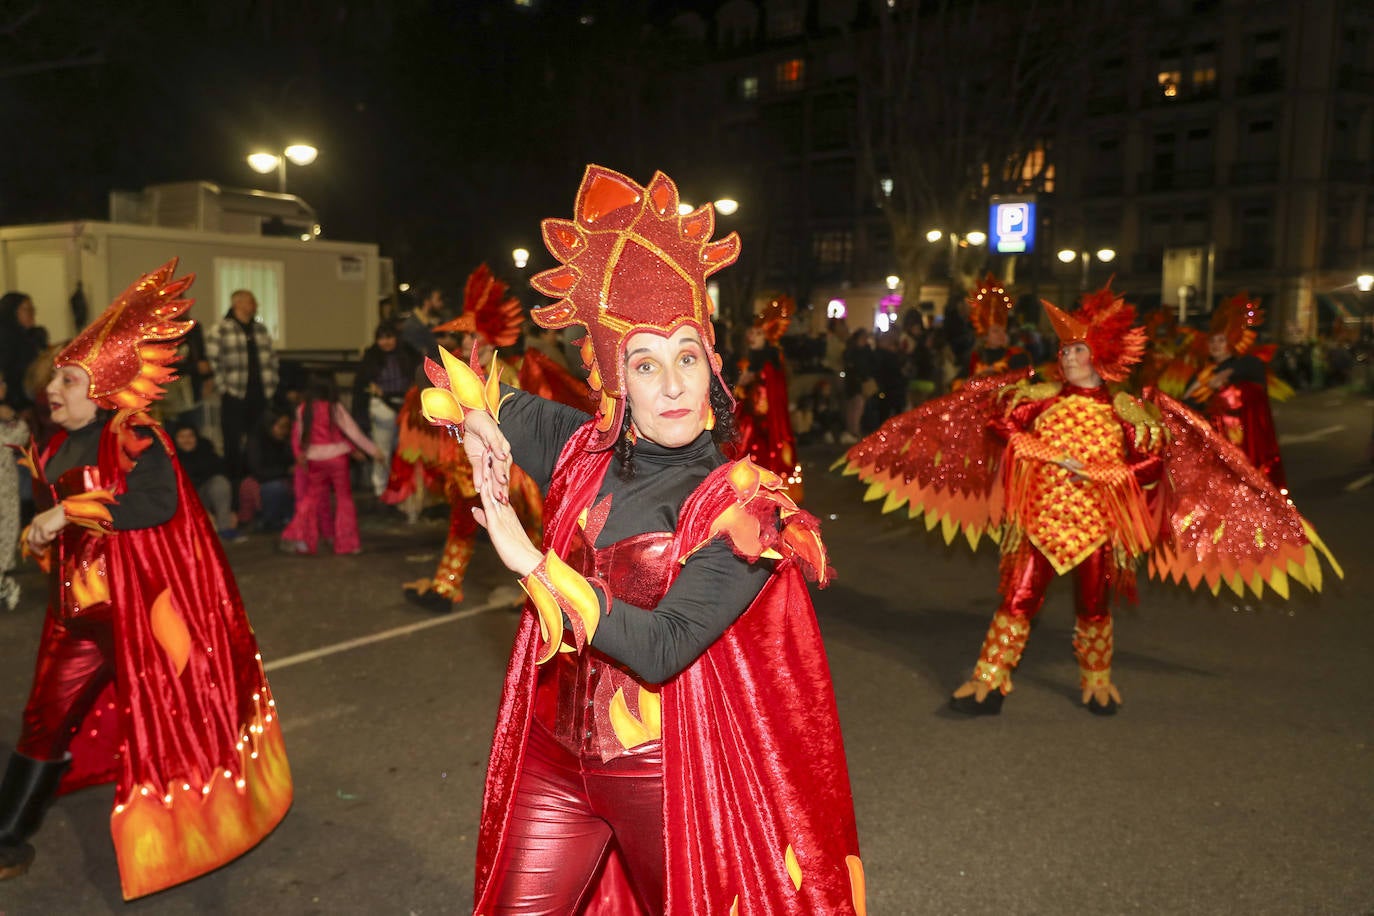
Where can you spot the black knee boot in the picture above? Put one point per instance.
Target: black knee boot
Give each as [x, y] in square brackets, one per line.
[28, 787]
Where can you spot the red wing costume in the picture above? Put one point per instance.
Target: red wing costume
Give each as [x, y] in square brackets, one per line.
[758, 816]
[177, 712]
[1153, 481]
[763, 421]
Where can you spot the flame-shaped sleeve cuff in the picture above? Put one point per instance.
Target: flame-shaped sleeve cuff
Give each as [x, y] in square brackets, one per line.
[42, 557]
[459, 388]
[563, 596]
[90, 510]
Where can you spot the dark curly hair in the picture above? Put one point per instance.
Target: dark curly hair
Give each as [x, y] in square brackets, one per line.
[722, 405]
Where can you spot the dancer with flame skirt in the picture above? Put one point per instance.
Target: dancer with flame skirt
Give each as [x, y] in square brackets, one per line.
[667, 740]
[763, 424]
[148, 673]
[1072, 478]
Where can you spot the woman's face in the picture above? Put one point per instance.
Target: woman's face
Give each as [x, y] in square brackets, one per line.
[281, 427]
[1076, 360]
[667, 382]
[997, 336]
[386, 342]
[26, 314]
[1218, 347]
[186, 439]
[69, 397]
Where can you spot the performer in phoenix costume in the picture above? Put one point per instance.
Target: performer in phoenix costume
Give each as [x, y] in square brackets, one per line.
[1232, 392]
[763, 425]
[148, 673]
[1059, 473]
[667, 740]
[427, 458]
[989, 309]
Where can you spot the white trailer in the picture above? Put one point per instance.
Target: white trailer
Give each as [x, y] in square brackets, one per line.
[316, 296]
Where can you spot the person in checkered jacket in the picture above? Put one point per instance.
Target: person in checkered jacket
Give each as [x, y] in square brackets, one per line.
[240, 351]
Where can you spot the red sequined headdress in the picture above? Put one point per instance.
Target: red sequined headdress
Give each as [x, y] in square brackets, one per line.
[1237, 318]
[128, 351]
[630, 263]
[487, 310]
[989, 305]
[1106, 323]
[776, 317]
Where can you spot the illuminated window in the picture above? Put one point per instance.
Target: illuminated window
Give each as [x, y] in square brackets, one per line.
[832, 249]
[790, 74]
[1170, 73]
[1204, 67]
[886, 184]
[749, 87]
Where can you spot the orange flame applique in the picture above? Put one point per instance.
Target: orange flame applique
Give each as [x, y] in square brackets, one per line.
[169, 629]
[129, 350]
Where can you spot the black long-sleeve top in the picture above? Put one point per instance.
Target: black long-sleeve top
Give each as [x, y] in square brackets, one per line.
[714, 586]
[150, 489]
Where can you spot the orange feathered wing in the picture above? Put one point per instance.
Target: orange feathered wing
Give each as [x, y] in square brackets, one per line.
[940, 460]
[1221, 521]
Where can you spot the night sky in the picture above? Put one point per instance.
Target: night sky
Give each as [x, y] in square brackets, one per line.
[446, 130]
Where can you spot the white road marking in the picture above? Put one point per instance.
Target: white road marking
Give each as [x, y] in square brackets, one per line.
[406, 630]
[1315, 436]
[1359, 483]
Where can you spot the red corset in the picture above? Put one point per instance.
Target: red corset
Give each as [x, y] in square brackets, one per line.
[575, 690]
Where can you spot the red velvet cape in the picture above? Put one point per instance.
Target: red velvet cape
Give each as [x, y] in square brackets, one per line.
[196, 753]
[753, 759]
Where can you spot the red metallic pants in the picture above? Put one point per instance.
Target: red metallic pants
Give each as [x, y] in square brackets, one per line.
[567, 813]
[75, 662]
[1026, 574]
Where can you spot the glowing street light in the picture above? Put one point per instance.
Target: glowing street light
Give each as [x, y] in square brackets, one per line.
[1069, 255]
[727, 206]
[1365, 282]
[1106, 255]
[975, 237]
[264, 162]
[934, 235]
[893, 280]
[521, 257]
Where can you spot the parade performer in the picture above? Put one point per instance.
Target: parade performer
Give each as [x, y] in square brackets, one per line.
[763, 424]
[989, 309]
[148, 673]
[429, 459]
[1232, 391]
[1071, 478]
[667, 740]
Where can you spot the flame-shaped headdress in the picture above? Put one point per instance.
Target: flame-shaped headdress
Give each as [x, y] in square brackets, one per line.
[1106, 323]
[989, 305]
[630, 263]
[487, 310]
[776, 317]
[1237, 318]
[129, 349]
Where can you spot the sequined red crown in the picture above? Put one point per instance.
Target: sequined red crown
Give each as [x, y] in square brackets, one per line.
[1237, 318]
[989, 305]
[128, 351]
[630, 263]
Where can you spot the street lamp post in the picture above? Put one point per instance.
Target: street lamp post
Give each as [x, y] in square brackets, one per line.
[1069, 255]
[264, 162]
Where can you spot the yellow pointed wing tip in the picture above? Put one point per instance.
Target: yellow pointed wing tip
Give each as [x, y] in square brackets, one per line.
[793, 867]
[875, 491]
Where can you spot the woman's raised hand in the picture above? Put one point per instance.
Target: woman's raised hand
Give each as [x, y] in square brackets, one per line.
[487, 451]
[508, 536]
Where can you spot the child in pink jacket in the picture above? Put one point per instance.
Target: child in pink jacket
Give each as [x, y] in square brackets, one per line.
[322, 439]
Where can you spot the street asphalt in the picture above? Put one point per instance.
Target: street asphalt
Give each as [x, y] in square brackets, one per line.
[1237, 778]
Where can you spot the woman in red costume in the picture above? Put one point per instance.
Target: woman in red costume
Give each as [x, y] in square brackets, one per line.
[427, 458]
[1232, 392]
[1070, 477]
[667, 740]
[148, 673]
[989, 309]
[764, 426]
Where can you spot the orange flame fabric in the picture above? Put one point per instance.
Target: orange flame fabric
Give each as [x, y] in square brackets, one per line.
[129, 349]
[487, 310]
[630, 263]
